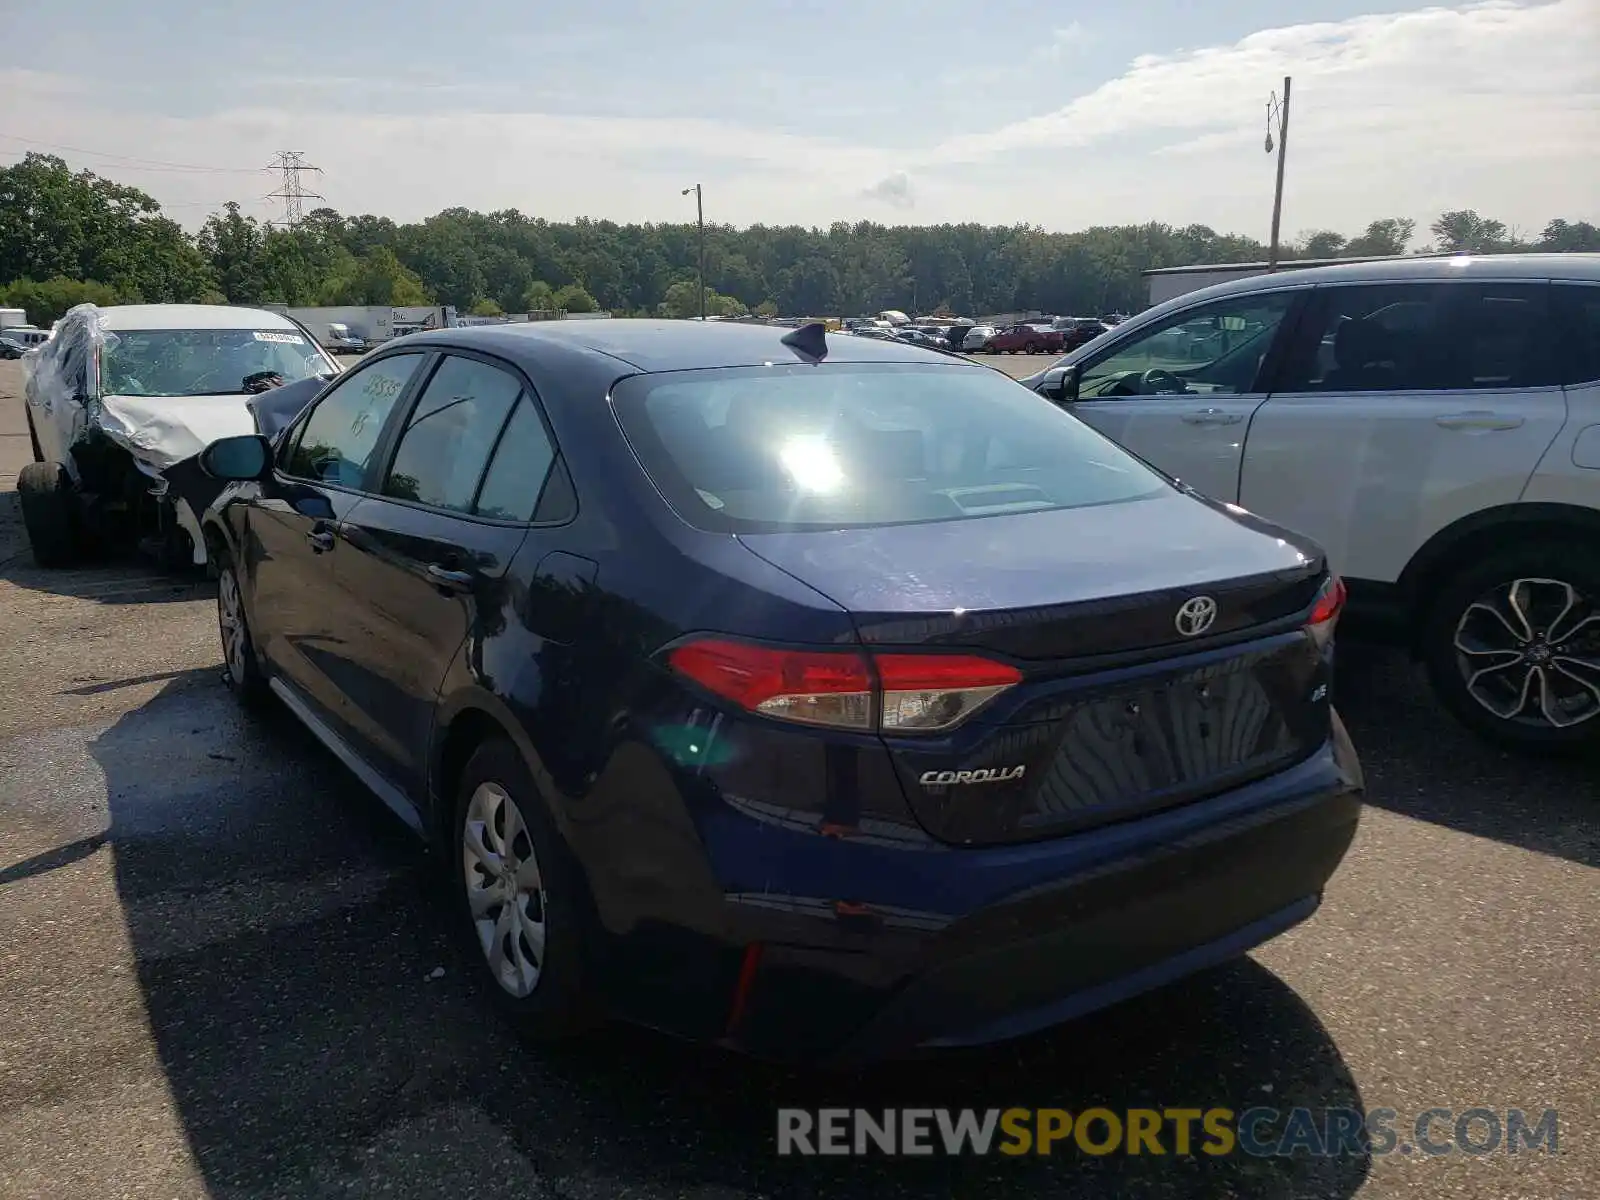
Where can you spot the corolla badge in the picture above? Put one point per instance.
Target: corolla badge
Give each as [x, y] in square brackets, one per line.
[1195, 615]
[982, 775]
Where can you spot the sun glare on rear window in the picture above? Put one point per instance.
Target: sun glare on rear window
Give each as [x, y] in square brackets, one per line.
[848, 445]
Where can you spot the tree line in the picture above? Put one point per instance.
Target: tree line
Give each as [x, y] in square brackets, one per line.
[67, 237]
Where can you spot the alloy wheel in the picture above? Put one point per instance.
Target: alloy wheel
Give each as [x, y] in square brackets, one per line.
[230, 623]
[1529, 653]
[505, 890]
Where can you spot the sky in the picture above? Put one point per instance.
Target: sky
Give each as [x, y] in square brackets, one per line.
[1061, 115]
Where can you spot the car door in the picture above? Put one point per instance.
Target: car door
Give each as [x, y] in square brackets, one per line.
[429, 551]
[1180, 393]
[1402, 408]
[296, 529]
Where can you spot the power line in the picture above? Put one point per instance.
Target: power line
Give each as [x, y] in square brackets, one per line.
[292, 192]
[145, 164]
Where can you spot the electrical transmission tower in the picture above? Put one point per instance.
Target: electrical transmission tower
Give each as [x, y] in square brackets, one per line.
[292, 163]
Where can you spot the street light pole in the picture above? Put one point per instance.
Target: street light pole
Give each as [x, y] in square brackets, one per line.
[1282, 108]
[700, 220]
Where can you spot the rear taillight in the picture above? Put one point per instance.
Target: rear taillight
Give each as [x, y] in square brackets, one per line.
[1325, 612]
[925, 693]
[914, 693]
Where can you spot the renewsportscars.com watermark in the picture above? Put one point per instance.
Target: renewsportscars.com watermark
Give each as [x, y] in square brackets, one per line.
[1258, 1132]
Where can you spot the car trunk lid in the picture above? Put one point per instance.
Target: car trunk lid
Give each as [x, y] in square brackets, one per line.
[1123, 706]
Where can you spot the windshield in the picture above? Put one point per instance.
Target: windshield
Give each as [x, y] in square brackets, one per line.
[200, 362]
[834, 447]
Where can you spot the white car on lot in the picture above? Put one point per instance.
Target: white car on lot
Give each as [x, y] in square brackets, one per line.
[121, 400]
[1433, 422]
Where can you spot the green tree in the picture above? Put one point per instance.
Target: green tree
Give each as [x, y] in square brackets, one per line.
[487, 308]
[1321, 243]
[538, 297]
[46, 301]
[55, 223]
[574, 299]
[1391, 235]
[1464, 232]
[1569, 236]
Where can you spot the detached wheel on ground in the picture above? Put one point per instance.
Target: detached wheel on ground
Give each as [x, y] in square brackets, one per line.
[49, 513]
[1512, 645]
[520, 913]
[245, 677]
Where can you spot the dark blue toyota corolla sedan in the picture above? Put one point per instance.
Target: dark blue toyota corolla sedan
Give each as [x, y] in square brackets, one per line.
[822, 696]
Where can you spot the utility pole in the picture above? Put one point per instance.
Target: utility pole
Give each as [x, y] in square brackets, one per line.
[292, 163]
[1280, 108]
[700, 219]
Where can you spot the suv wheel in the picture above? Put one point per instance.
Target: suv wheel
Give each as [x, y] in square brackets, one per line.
[519, 896]
[1512, 645]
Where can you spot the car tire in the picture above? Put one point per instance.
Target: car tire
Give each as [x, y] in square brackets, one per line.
[50, 513]
[242, 661]
[1031, 348]
[1498, 666]
[509, 892]
[33, 436]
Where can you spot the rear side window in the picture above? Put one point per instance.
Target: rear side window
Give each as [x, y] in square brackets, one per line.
[450, 434]
[1578, 323]
[521, 462]
[850, 445]
[1424, 337]
[336, 442]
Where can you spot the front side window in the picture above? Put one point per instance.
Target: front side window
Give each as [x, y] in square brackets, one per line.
[450, 433]
[853, 445]
[1216, 349]
[335, 443]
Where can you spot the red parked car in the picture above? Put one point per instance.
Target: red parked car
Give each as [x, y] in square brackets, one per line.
[1026, 339]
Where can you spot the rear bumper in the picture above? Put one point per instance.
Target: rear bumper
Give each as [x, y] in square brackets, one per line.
[940, 947]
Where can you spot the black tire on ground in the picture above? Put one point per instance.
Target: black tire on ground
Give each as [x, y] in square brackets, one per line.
[245, 677]
[1567, 563]
[50, 513]
[560, 1003]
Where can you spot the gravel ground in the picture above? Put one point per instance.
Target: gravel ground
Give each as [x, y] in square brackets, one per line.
[221, 973]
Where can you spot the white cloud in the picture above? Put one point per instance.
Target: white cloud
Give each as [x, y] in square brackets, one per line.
[894, 190]
[1494, 106]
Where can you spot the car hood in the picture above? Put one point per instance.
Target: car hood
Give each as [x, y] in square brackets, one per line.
[162, 431]
[1171, 540]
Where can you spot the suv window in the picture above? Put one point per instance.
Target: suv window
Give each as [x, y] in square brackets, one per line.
[336, 441]
[1424, 337]
[450, 434]
[1578, 307]
[522, 460]
[1216, 349]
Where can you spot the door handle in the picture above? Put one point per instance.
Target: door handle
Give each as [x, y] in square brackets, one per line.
[1212, 416]
[447, 578]
[1480, 419]
[320, 537]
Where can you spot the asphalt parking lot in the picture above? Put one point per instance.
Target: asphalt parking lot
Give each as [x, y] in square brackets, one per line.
[221, 972]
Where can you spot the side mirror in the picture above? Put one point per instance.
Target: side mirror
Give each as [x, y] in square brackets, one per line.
[1061, 384]
[237, 458]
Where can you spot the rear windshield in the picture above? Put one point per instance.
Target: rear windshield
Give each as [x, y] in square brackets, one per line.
[796, 447]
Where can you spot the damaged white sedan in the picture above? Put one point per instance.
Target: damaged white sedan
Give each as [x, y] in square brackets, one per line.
[122, 399]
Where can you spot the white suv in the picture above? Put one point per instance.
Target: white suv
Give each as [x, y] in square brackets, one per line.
[1434, 423]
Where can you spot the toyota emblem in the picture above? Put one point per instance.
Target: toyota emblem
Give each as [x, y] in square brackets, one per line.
[1195, 615]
